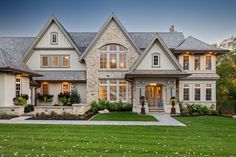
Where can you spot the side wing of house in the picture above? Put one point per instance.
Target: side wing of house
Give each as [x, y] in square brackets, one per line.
[54, 55]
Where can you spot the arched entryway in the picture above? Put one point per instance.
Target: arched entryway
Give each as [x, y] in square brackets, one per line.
[154, 95]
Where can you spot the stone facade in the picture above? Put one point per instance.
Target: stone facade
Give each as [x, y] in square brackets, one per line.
[112, 34]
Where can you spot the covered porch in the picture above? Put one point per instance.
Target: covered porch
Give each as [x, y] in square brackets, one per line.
[158, 86]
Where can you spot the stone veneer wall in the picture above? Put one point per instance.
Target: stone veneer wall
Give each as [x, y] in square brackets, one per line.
[111, 34]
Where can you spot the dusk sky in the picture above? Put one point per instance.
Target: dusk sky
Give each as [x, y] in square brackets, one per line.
[208, 20]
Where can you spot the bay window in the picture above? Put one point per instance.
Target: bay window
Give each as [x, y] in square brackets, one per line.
[113, 57]
[113, 90]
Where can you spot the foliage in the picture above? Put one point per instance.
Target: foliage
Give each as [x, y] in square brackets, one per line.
[111, 106]
[75, 97]
[28, 108]
[44, 97]
[21, 100]
[226, 85]
[196, 110]
[7, 116]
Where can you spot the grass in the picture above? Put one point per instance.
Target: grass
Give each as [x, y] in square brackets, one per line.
[204, 136]
[123, 116]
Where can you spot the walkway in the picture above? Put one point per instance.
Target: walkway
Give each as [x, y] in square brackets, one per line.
[163, 120]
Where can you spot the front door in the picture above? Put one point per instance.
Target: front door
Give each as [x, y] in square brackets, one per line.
[154, 96]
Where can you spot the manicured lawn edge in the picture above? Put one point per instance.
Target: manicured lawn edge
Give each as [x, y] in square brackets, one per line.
[123, 116]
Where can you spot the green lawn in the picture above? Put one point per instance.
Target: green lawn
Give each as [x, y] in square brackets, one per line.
[122, 116]
[204, 136]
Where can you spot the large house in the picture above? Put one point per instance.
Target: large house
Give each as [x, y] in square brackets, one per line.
[110, 64]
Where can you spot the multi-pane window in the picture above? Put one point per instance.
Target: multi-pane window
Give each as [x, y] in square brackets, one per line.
[208, 92]
[186, 92]
[113, 56]
[197, 62]
[186, 62]
[55, 61]
[65, 87]
[113, 90]
[18, 86]
[156, 60]
[197, 94]
[54, 38]
[45, 88]
[208, 63]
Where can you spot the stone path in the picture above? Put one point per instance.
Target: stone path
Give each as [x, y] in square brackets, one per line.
[163, 120]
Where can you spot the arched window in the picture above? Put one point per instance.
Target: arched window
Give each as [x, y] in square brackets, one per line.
[156, 60]
[113, 56]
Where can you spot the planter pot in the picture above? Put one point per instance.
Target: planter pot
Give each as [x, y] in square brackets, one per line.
[173, 110]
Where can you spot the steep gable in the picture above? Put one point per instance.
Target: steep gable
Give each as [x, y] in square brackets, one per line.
[43, 38]
[109, 27]
[166, 58]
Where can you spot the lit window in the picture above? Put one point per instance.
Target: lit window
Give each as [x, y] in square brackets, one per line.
[197, 92]
[65, 61]
[208, 92]
[54, 38]
[55, 61]
[45, 88]
[18, 86]
[208, 62]
[186, 62]
[113, 90]
[113, 56]
[156, 60]
[65, 87]
[197, 62]
[186, 92]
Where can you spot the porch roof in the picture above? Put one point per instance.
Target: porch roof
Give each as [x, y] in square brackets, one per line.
[156, 73]
[73, 75]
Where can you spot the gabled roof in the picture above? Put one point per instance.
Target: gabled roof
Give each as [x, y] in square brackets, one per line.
[9, 63]
[43, 31]
[112, 17]
[167, 50]
[193, 44]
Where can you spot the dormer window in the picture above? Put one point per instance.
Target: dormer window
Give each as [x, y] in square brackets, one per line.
[156, 60]
[54, 38]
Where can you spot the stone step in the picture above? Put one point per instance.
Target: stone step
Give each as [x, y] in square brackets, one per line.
[156, 110]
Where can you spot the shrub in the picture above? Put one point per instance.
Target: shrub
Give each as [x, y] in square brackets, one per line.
[111, 106]
[22, 101]
[44, 97]
[181, 108]
[64, 98]
[227, 107]
[28, 108]
[127, 107]
[95, 107]
[75, 97]
[104, 104]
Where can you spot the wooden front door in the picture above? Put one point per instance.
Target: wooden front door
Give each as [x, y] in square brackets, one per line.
[154, 96]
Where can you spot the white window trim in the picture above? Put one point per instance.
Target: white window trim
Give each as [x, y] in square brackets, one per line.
[206, 93]
[211, 62]
[50, 57]
[17, 77]
[117, 52]
[108, 84]
[195, 92]
[188, 62]
[184, 87]
[51, 38]
[194, 68]
[159, 60]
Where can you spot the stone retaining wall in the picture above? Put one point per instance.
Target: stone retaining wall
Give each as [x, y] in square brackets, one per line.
[76, 109]
[13, 110]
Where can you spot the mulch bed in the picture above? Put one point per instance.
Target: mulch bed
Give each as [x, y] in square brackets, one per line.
[6, 117]
[64, 116]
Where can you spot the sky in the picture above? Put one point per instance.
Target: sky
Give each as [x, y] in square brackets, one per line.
[208, 20]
